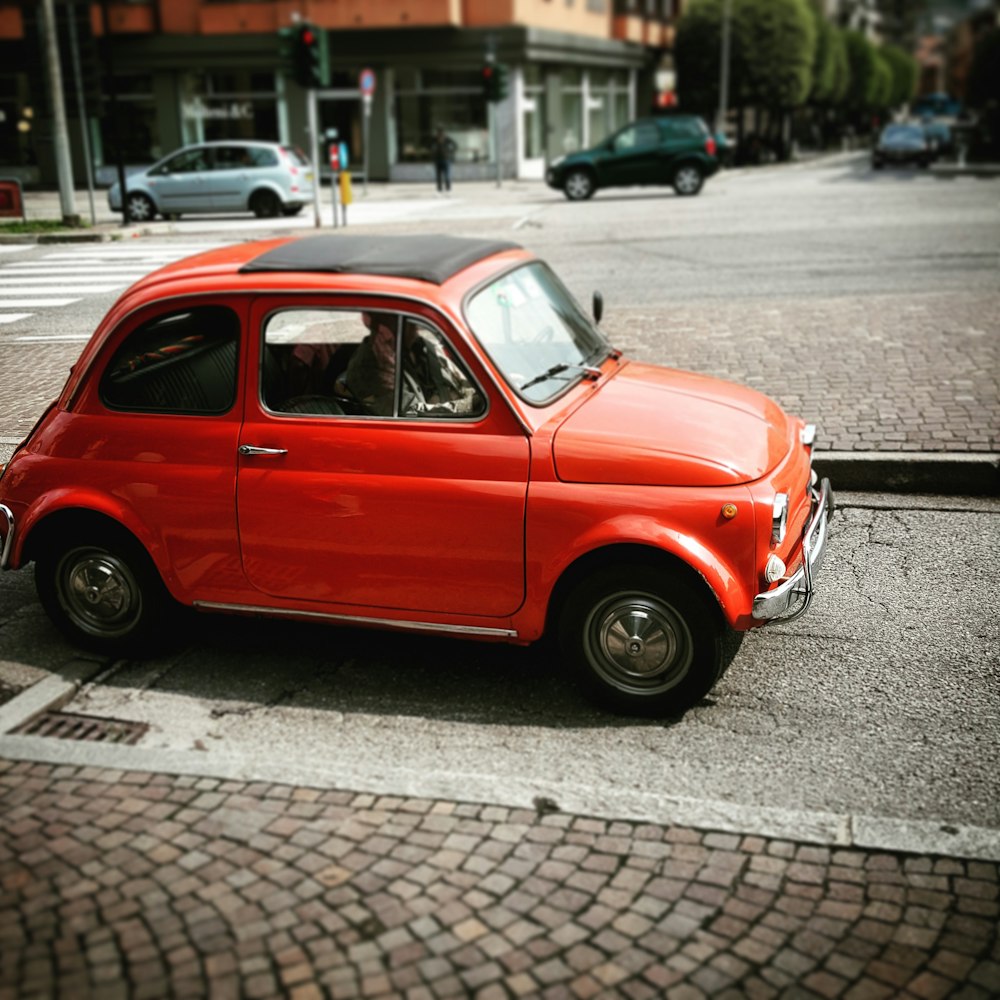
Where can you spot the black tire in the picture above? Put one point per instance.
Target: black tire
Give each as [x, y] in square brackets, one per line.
[642, 641]
[877, 164]
[265, 204]
[140, 207]
[103, 591]
[579, 185]
[688, 180]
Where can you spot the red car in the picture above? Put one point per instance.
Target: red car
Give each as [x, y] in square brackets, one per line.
[419, 433]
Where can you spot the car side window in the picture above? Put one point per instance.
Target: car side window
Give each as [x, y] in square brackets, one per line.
[189, 161]
[184, 362]
[261, 157]
[232, 157]
[642, 135]
[343, 362]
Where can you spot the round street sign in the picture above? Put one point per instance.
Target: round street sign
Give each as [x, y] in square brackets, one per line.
[366, 82]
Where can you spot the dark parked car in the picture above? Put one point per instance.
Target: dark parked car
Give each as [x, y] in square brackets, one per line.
[678, 150]
[902, 144]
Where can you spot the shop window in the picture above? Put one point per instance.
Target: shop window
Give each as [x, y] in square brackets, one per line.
[451, 100]
[139, 121]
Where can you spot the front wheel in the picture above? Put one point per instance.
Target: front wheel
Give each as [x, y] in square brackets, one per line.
[642, 641]
[688, 180]
[103, 593]
[579, 185]
[140, 207]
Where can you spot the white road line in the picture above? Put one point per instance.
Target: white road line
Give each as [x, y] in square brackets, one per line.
[56, 338]
[24, 267]
[6, 303]
[14, 317]
[36, 285]
[15, 249]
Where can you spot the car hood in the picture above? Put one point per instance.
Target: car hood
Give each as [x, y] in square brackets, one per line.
[661, 427]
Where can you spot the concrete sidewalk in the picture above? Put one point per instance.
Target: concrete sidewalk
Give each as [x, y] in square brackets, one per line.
[122, 883]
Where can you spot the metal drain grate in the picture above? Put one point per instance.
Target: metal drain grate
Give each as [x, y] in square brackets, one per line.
[66, 726]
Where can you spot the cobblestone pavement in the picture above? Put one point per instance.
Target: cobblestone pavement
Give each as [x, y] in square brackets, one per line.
[123, 884]
[884, 373]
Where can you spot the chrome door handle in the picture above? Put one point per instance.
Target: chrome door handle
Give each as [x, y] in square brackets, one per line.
[252, 449]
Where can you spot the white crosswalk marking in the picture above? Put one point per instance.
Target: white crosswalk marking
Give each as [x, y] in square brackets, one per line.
[53, 278]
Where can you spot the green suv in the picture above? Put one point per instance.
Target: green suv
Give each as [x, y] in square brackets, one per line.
[677, 150]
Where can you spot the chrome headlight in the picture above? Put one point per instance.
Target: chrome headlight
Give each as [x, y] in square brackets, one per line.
[779, 518]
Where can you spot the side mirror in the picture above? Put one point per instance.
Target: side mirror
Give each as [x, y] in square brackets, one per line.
[598, 307]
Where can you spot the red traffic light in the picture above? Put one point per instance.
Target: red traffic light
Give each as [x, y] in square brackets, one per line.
[308, 37]
[487, 72]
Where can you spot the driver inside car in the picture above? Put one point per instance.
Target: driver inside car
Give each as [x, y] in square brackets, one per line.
[432, 382]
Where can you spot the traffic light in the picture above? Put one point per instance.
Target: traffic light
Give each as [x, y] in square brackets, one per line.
[494, 79]
[310, 62]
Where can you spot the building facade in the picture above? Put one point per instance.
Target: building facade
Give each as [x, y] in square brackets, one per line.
[188, 70]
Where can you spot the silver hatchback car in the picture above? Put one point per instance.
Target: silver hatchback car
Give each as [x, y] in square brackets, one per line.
[265, 178]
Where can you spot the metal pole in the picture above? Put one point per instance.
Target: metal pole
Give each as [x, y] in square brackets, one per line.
[64, 166]
[81, 107]
[723, 112]
[366, 101]
[116, 131]
[314, 141]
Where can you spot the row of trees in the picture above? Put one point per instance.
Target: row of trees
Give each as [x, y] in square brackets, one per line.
[784, 55]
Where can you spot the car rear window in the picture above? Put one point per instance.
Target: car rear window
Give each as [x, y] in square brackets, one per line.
[184, 362]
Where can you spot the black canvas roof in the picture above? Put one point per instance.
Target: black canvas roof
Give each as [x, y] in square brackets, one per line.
[427, 258]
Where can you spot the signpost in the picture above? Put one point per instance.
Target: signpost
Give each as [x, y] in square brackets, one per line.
[366, 84]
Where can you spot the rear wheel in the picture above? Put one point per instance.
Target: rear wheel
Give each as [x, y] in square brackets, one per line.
[579, 185]
[642, 641]
[688, 179]
[103, 592]
[140, 207]
[265, 204]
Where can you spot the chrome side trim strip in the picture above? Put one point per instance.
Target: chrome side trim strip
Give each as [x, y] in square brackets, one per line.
[499, 633]
[8, 541]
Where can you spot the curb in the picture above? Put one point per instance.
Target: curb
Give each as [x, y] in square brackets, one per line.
[924, 472]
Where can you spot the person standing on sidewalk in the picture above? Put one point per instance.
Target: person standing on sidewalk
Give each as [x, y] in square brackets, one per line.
[443, 147]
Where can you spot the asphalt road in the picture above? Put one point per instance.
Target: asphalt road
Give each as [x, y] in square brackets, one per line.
[848, 296]
[881, 702]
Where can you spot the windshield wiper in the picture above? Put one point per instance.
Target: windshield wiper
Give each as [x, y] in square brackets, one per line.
[558, 370]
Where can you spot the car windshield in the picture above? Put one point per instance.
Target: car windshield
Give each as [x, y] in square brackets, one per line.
[534, 331]
[903, 133]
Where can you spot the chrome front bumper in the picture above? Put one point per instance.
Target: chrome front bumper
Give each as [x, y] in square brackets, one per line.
[792, 599]
[6, 534]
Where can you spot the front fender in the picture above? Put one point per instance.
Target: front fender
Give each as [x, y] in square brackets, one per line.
[684, 524]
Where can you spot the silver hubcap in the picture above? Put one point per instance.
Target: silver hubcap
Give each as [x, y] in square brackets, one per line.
[688, 179]
[578, 185]
[99, 592]
[638, 643]
[138, 209]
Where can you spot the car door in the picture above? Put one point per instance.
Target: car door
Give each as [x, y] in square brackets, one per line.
[350, 493]
[631, 156]
[181, 183]
[229, 180]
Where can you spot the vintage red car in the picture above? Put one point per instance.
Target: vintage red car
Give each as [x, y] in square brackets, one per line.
[411, 432]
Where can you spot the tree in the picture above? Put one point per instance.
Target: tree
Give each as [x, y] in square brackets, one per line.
[779, 63]
[882, 83]
[862, 86]
[904, 74]
[772, 49]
